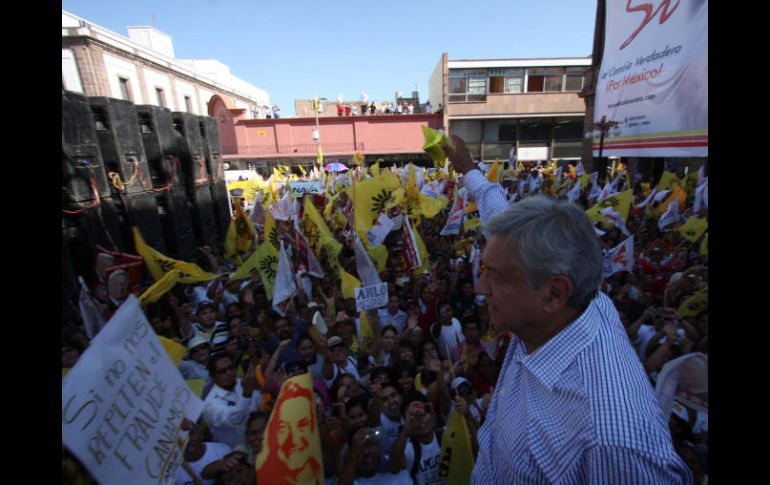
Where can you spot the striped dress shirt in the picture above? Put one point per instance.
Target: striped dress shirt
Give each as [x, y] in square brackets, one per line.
[578, 410]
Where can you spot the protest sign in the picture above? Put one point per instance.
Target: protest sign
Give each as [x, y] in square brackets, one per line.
[123, 404]
[300, 188]
[369, 297]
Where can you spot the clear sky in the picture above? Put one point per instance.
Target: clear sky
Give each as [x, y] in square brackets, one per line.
[294, 49]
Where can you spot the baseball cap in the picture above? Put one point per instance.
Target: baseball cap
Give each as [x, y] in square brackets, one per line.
[334, 341]
[197, 341]
[458, 381]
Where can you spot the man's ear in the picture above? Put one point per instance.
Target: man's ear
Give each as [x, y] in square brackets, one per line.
[558, 292]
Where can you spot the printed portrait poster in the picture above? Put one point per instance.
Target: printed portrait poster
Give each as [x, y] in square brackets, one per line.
[123, 404]
[291, 447]
[654, 79]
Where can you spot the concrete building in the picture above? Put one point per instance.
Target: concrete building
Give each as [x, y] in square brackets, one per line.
[328, 107]
[142, 68]
[530, 104]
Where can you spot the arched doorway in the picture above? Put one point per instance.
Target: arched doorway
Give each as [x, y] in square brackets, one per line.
[220, 111]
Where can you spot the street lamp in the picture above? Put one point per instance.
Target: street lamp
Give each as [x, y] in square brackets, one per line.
[603, 126]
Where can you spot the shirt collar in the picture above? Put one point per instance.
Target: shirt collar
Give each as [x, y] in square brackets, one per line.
[549, 361]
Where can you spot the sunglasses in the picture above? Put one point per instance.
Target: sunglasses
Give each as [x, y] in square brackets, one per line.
[224, 370]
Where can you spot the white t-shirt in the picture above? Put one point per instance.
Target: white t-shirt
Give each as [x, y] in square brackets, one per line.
[385, 478]
[351, 368]
[428, 469]
[451, 336]
[214, 452]
[389, 436]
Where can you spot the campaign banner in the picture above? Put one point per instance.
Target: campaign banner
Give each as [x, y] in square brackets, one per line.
[300, 188]
[654, 79]
[123, 404]
[369, 297]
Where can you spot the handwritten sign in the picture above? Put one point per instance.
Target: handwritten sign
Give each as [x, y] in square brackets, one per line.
[374, 296]
[123, 404]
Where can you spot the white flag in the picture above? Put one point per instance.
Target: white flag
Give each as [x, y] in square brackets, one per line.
[366, 269]
[305, 253]
[475, 264]
[574, 193]
[93, 320]
[380, 230]
[614, 183]
[616, 219]
[559, 176]
[701, 175]
[699, 200]
[607, 191]
[620, 258]
[648, 199]
[285, 288]
[670, 216]
[594, 178]
[282, 209]
[579, 170]
[455, 218]
[411, 251]
[521, 185]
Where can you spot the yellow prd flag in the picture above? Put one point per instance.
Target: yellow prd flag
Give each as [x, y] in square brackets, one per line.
[320, 157]
[621, 203]
[676, 193]
[370, 197]
[585, 179]
[704, 246]
[366, 332]
[265, 258]
[695, 304]
[159, 288]
[250, 188]
[349, 284]
[456, 462]
[159, 264]
[174, 349]
[666, 180]
[520, 166]
[271, 232]
[358, 157]
[325, 239]
[693, 229]
[231, 250]
[302, 171]
[429, 206]
[433, 141]
[375, 169]
[471, 208]
[240, 233]
[291, 446]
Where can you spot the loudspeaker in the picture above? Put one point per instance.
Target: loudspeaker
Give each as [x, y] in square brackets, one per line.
[177, 225]
[90, 226]
[204, 221]
[222, 207]
[160, 146]
[81, 158]
[120, 142]
[211, 150]
[142, 211]
[190, 146]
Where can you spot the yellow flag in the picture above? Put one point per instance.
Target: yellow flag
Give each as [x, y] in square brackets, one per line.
[320, 156]
[174, 349]
[250, 188]
[231, 250]
[159, 288]
[159, 264]
[366, 332]
[666, 180]
[493, 175]
[370, 197]
[429, 206]
[471, 208]
[291, 446]
[695, 304]
[375, 169]
[693, 228]
[196, 385]
[325, 239]
[456, 462]
[266, 262]
[379, 255]
[520, 166]
[676, 193]
[302, 170]
[704, 246]
[349, 284]
[433, 141]
[621, 203]
[358, 157]
[585, 179]
[271, 232]
[471, 224]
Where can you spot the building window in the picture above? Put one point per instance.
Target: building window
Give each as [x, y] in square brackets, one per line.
[546, 79]
[125, 89]
[161, 97]
[188, 104]
[573, 79]
[506, 80]
[468, 85]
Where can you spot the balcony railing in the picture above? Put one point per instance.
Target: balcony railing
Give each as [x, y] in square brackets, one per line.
[304, 148]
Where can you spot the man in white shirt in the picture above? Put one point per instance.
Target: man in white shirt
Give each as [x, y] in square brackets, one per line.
[393, 315]
[228, 404]
[446, 331]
